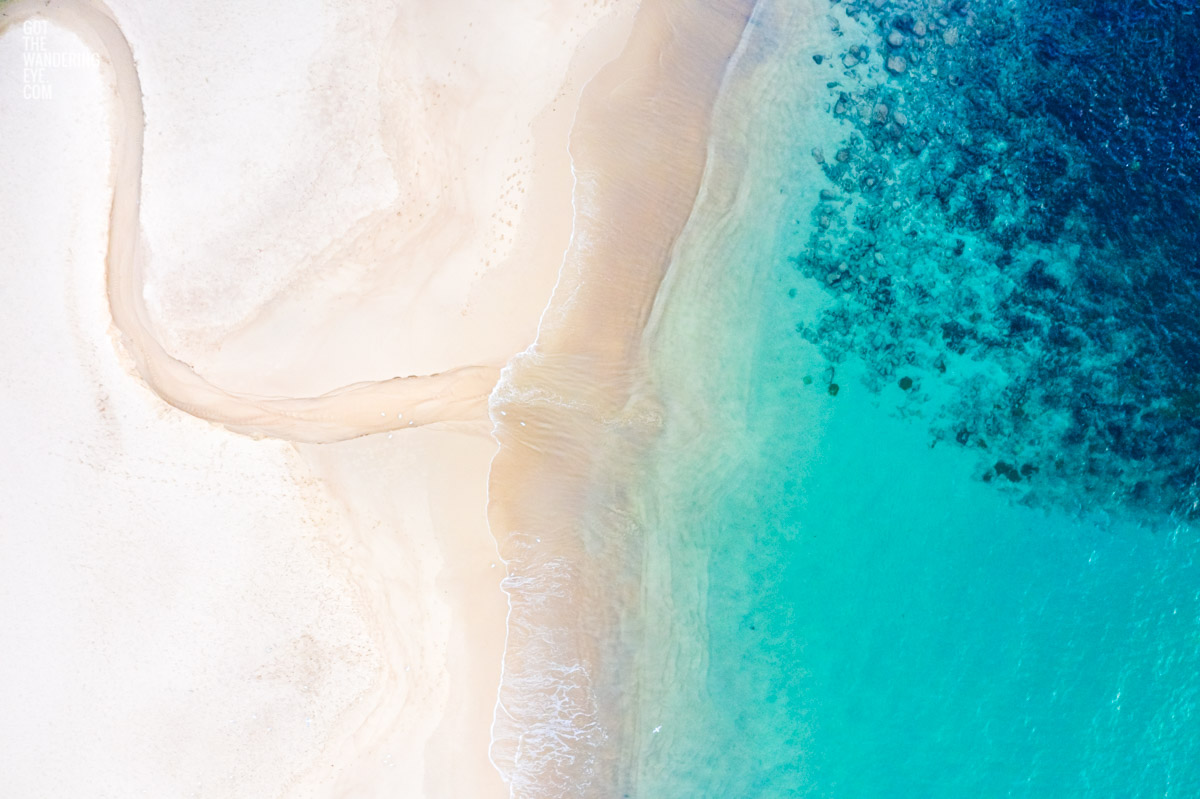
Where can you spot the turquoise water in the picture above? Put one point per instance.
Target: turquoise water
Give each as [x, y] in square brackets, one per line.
[842, 600]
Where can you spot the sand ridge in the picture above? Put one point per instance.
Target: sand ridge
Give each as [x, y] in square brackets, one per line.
[346, 412]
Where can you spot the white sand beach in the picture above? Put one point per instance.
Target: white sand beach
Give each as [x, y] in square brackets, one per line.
[267, 263]
[324, 200]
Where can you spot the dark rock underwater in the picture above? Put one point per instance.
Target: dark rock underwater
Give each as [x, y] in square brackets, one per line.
[1011, 238]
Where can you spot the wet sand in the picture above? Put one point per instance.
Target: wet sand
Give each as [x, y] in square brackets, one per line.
[566, 414]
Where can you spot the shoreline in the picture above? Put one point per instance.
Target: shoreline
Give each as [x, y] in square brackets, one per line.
[418, 554]
[566, 414]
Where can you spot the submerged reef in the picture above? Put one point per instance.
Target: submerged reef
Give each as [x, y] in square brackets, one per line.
[1012, 234]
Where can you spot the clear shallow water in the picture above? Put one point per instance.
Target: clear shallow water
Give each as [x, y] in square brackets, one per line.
[839, 601]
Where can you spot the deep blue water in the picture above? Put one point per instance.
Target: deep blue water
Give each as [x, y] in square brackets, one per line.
[844, 596]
